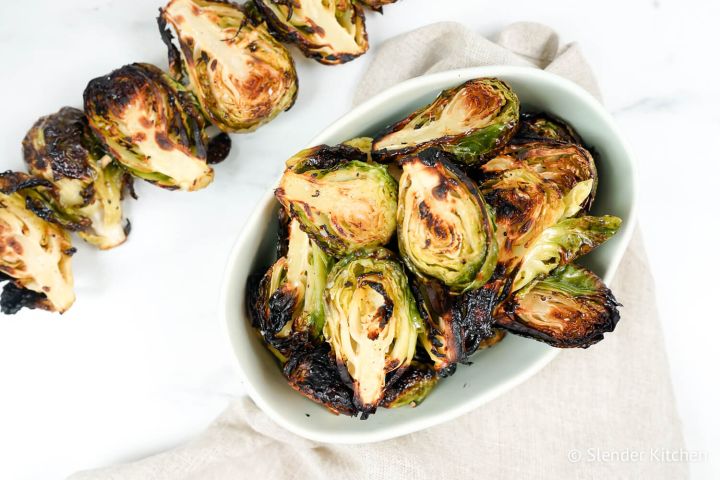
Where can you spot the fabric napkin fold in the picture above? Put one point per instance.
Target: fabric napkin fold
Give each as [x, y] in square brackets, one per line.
[605, 412]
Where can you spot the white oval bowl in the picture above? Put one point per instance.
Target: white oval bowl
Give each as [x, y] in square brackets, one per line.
[494, 371]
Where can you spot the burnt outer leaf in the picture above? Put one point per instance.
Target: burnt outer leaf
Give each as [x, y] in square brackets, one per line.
[174, 58]
[326, 157]
[411, 388]
[219, 148]
[14, 298]
[542, 125]
[12, 182]
[314, 374]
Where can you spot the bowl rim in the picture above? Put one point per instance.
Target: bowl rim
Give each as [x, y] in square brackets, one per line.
[352, 116]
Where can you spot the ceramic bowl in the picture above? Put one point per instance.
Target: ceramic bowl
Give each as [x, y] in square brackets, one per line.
[494, 371]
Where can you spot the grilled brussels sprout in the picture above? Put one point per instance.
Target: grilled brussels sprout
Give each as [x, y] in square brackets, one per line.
[411, 388]
[471, 121]
[371, 323]
[545, 126]
[341, 201]
[329, 31]
[314, 373]
[444, 228]
[525, 204]
[562, 243]
[286, 305]
[568, 166]
[240, 74]
[570, 308]
[34, 254]
[62, 149]
[455, 326]
[151, 124]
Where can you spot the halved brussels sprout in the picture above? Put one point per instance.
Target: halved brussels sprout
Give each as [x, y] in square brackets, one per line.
[241, 75]
[151, 124]
[562, 243]
[570, 308]
[89, 185]
[371, 323]
[444, 228]
[545, 126]
[286, 306]
[411, 388]
[455, 326]
[34, 254]
[471, 121]
[329, 31]
[314, 373]
[341, 201]
[525, 204]
[569, 166]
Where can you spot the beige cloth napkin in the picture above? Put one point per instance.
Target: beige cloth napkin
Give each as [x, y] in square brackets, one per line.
[605, 412]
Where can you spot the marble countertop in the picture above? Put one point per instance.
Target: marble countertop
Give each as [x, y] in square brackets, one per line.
[141, 362]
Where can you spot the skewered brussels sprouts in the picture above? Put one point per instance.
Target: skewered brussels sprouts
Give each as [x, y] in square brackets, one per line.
[455, 326]
[286, 306]
[151, 124]
[34, 254]
[471, 121]
[314, 374]
[562, 243]
[89, 185]
[240, 74]
[570, 308]
[569, 166]
[545, 126]
[329, 31]
[371, 323]
[444, 228]
[341, 201]
[411, 388]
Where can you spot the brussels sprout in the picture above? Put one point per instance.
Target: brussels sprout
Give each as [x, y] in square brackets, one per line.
[545, 126]
[89, 185]
[151, 124]
[371, 323]
[444, 228]
[570, 308]
[329, 31]
[411, 388]
[455, 326]
[286, 306]
[569, 166]
[562, 243]
[240, 74]
[314, 373]
[471, 121]
[342, 202]
[525, 204]
[34, 254]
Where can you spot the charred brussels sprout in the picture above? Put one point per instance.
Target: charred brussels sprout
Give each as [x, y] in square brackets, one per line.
[34, 254]
[371, 323]
[89, 185]
[570, 308]
[314, 373]
[471, 121]
[444, 228]
[568, 166]
[286, 305]
[240, 74]
[411, 388]
[341, 201]
[562, 243]
[455, 326]
[329, 31]
[545, 126]
[152, 125]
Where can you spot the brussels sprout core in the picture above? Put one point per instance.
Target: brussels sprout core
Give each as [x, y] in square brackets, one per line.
[240, 74]
[371, 322]
[444, 228]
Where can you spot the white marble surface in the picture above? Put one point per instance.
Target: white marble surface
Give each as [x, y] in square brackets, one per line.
[141, 363]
